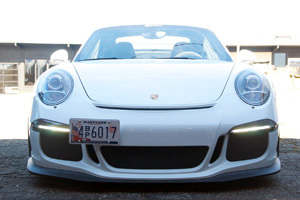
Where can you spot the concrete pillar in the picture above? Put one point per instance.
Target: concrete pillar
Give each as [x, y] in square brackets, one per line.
[21, 74]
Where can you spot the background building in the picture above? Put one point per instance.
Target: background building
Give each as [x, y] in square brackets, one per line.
[22, 63]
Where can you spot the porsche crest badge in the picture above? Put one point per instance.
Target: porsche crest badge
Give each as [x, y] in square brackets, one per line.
[154, 96]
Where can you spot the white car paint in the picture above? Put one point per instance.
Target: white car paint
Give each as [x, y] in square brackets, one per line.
[130, 83]
[197, 104]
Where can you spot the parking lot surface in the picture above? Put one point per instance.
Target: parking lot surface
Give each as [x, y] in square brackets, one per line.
[17, 183]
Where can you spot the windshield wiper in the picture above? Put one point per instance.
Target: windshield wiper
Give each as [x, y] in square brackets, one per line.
[99, 59]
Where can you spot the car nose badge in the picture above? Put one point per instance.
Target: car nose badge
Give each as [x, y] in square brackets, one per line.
[154, 96]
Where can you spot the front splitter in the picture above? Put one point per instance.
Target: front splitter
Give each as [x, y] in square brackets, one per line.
[35, 169]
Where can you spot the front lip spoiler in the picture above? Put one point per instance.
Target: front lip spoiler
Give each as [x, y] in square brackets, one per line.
[35, 169]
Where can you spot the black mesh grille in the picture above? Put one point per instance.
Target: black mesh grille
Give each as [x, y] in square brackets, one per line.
[56, 145]
[154, 157]
[218, 149]
[91, 152]
[244, 146]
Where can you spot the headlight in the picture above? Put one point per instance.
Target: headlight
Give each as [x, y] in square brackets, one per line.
[55, 88]
[252, 88]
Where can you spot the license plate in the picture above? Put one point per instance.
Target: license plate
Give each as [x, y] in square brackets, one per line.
[94, 131]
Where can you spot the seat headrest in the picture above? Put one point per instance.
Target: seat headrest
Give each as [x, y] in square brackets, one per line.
[123, 50]
[180, 47]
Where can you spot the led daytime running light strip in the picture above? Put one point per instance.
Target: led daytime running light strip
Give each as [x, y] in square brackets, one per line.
[257, 128]
[53, 128]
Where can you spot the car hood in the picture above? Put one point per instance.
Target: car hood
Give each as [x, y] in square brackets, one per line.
[154, 84]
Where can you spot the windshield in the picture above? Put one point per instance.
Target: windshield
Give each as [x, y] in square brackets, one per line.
[153, 42]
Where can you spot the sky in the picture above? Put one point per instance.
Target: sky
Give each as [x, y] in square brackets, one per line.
[64, 21]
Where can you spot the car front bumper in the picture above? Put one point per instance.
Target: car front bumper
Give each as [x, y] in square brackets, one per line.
[174, 128]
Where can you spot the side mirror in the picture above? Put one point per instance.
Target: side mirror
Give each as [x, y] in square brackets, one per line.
[59, 56]
[246, 56]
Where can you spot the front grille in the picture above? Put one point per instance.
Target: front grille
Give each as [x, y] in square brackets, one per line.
[218, 149]
[245, 146]
[56, 145]
[91, 152]
[132, 157]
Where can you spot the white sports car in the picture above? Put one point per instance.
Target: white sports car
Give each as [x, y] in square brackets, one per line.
[153, 104]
